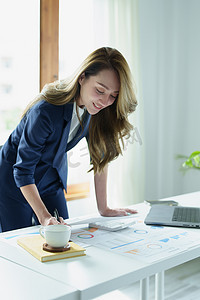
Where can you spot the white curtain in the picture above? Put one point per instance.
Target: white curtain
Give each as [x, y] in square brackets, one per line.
[160, 40]
[119, 29]
[169, 49]
[85, 26]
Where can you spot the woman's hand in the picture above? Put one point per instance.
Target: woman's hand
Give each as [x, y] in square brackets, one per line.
[100, 180]
[32, 195]
[53, 221]
[109, 212]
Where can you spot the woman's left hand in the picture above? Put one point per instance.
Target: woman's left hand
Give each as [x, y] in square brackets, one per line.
[109, 212]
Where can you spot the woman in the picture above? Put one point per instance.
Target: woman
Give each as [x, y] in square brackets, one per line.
[95, 104]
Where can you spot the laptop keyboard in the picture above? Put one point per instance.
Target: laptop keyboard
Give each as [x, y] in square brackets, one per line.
[186, 214]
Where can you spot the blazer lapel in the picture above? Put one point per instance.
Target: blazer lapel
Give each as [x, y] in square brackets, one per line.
[63, 145]
[68, 109]
[60, 159]
[80, 133]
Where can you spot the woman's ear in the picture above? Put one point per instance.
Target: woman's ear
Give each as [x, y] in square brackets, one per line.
[81, 78]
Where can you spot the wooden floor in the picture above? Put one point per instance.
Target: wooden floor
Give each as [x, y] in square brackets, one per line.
[181, 283]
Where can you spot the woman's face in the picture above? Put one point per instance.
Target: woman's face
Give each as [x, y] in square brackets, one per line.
[99, 91]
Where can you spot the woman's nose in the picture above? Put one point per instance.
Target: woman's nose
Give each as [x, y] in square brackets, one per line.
[105, 100]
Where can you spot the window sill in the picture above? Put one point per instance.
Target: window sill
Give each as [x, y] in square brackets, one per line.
[77, 191]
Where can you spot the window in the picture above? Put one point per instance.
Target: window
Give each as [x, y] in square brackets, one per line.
[19, 60]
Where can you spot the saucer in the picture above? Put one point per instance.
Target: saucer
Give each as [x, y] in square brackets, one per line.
[48, 248]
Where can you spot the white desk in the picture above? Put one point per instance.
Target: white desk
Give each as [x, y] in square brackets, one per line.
[20, 283]
[101, 271]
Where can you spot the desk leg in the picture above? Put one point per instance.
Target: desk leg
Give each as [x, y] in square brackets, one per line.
[144, 289]
[159, 286]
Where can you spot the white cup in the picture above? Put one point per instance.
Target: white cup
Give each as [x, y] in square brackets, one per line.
[56, 236]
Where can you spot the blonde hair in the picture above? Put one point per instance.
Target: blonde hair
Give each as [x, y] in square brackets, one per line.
[109, 125]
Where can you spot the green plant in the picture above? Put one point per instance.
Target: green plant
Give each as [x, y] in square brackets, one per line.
[191, 162]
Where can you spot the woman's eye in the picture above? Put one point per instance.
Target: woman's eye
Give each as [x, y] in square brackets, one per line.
[99, 92]
[113, 97]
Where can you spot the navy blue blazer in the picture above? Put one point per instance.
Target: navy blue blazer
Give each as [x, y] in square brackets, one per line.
[37, 147]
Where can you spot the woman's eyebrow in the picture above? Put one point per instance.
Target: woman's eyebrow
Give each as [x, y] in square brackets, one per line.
[106, 87]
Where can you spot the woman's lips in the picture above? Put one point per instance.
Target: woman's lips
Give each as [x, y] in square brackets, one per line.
[97, 106]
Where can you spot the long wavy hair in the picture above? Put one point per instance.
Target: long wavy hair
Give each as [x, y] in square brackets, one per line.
[110, 125]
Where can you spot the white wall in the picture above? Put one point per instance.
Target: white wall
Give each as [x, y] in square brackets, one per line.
[169, 42]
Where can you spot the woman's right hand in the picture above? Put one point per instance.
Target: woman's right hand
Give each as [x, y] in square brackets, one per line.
[53, 221]
[49, 221]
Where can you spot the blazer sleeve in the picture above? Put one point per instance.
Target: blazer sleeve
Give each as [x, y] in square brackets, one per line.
[38, 127]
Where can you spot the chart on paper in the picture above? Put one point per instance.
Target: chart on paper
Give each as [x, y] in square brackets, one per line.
[148, 243]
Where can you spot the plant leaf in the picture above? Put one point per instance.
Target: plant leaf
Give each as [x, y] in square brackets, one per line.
[193, 161]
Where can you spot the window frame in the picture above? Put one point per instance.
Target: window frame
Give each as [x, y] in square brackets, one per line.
[49, 41]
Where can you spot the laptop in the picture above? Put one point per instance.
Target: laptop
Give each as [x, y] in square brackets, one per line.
[178, 216]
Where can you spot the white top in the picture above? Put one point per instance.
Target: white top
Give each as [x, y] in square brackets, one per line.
[75, 121]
